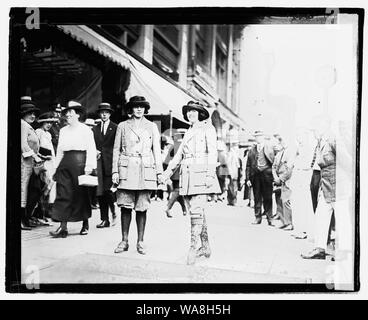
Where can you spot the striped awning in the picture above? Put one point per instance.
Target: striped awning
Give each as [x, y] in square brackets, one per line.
[97, 43]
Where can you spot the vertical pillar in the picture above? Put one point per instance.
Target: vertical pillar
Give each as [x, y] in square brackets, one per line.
[213, 52]
[183, 59]
[144, 45]
[229, 72]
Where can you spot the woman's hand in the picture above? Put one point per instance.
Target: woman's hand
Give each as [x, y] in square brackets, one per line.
[115, 178]
[210, 180]
[37, 159]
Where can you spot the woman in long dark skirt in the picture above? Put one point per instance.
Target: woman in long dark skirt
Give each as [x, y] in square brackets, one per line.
[76, 155]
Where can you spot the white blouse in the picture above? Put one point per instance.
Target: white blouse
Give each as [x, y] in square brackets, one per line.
[78, 137]
[45, 140]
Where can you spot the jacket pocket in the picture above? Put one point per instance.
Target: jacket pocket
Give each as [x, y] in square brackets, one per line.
[123, 169]
[198, 175]
[150, 173]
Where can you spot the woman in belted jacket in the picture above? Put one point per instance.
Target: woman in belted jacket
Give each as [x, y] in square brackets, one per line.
[197, 157]
[30, 145]
[136, 166]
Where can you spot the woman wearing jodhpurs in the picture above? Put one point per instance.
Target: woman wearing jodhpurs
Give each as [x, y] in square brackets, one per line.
[136, 167]
[75, 156]
[197, 157]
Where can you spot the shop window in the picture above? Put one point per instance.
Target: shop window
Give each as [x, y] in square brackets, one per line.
[223, 34]
[202, 46]
[221, 72]
[126, 34]
[166, 49]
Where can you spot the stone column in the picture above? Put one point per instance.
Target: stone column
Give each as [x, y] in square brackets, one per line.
[144, 45]
[183, 59]
[229, 69]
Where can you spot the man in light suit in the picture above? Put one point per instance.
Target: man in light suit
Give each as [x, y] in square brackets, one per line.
[259, 176]
[104, 134]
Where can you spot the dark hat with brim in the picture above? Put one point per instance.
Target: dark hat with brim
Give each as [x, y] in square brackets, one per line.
[137, 101]
[74, 105]
[258, 133]
[56, 107]
[46, 117]
[193, 105]
[28, 106]
[104, 106]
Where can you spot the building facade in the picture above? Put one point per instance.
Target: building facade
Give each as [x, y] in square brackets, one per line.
[168, 64]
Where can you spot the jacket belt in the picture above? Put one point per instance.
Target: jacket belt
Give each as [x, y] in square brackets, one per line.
[139, 155]
[189, 155]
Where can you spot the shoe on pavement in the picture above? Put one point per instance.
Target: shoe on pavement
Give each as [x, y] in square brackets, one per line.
[300, 236]
[141, 248]
[25, 227]
[289, 227]
[59, 233]
[168, 213]
[84, 231]
[122, 246]
[103, 224]
[257, 221]
[316, 253]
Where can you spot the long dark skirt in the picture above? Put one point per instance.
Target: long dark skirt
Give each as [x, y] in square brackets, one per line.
[72, 201]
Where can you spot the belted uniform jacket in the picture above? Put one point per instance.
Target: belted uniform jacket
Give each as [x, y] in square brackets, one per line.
[197, 157]
[137, 155]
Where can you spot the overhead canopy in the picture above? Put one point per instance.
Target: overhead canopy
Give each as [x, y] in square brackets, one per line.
[97, 43]
[162, 95]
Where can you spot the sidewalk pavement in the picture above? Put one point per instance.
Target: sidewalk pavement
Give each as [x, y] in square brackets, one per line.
[241, 252]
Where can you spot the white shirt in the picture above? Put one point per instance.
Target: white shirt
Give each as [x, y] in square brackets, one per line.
[79, 137]
[104, 126]
[45, 140]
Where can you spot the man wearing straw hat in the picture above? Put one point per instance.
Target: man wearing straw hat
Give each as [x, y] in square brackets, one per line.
[259, 176]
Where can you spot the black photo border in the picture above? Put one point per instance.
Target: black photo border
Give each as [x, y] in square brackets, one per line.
[180, 15]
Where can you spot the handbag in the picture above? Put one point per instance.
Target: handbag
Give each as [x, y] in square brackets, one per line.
[87, 180]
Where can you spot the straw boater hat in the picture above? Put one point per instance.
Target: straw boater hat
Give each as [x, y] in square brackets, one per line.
[90, 122]
[74, 105]
[193, 105]
[258, 133]
[104, 106]
[47, 117]
[137, 101]
[57, 107]
[28, 106]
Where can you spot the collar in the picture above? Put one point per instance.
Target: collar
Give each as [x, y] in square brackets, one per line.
[106, 122]
[28, 125]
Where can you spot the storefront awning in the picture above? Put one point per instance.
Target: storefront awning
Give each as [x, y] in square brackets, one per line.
[162, 95]
[97, 43]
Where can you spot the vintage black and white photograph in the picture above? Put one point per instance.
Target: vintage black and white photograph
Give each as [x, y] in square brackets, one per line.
[199, 149]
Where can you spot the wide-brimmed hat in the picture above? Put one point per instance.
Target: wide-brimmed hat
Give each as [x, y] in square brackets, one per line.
[258, 133]
[138, 101]
[46, 117]
[180, 131]
[56, 107]
[104, 106]
[73, 105]
[90, 122]
[28, 106]
[194, 105]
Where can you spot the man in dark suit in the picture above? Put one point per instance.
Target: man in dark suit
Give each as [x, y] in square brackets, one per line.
[104, 134]
[259, 176]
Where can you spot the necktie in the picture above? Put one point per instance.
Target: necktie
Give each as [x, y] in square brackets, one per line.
[103, 128]
[315, 153]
